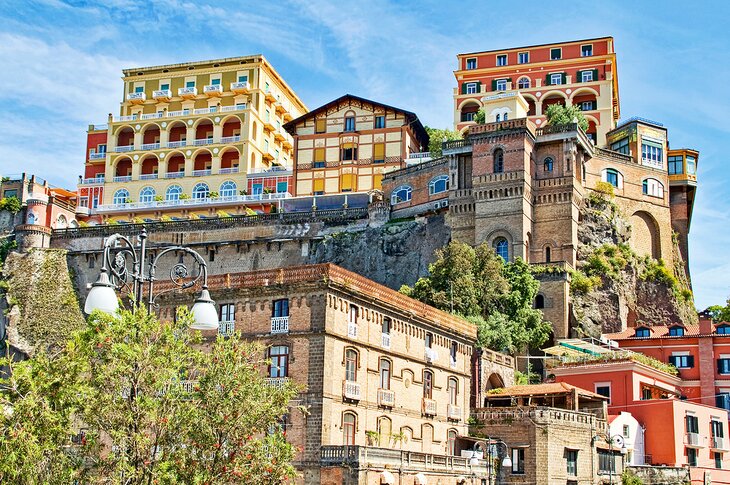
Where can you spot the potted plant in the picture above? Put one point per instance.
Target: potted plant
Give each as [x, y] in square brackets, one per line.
[243, 192]
[213, 195]
[184, 196]
[399, 438]
[159, 198]
[373, 438]
[267, 190]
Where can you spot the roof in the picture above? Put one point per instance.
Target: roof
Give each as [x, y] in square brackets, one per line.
[251, 58]
[662, 331]
[542, 390]
[411, 116]
[537, 45]
[577, 347]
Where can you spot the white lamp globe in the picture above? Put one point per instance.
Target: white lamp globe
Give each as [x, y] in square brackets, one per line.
[102, 296]
[205, 315]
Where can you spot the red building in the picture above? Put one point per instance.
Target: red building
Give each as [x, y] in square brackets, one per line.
[91, 185]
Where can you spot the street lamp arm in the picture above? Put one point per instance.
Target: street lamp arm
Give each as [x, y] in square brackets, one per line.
[118, 266]
[178, 273]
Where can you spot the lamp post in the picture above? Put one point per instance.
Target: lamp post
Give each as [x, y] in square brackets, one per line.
[115, 275]
[617, 440]
[506, 461]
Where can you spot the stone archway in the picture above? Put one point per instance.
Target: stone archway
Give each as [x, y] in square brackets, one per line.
[494, 381]
[645, 240]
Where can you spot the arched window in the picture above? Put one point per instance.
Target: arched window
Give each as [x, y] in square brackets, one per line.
[506, 115]
[451, 441]
[349, 425]
[523, 83]
[497, 118]
[61, 222]
[121, 196]
[279, 358]
[539, 301]
[401, 194]
[652, 187]
[385, 374]
[547, 165]
[351, 365]
[384, 429]
[613, 177]
[147, 194]
[453, 389]
[547, 254]
[31, 218]
[173, 192]
[501, 247]
[201, 191]
[427, 384]
[228, 189]
[498, 160]
[438, 184]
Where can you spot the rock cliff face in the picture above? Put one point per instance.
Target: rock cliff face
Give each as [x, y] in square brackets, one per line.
[626, 290]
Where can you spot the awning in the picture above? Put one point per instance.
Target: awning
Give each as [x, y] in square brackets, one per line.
[387, 478]
[421, 479]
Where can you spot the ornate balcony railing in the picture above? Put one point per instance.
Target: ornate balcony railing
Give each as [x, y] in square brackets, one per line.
[276, 381]
[352, 330]
[231, 139]
[192, 202]
[226, 328]
[136, 97]
[174, 175]
[97, 156]
[176, 144]
[240, 88]
[385, 340]
[124, 148]
[389, 458]
[453, 412]
[202, 142]
[205, 111]
[187, 92]
[280, 324]
[151, 146]
[213, 89]
[181, 113]
[148, 176]
[151, 116]
[386, 398]
[351, 390]
[201, 173]
[235, 107]
[92, 181]
[429, 407]
[123, 178]
[228, 170]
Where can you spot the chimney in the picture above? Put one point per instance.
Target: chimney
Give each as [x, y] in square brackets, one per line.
[705, 323]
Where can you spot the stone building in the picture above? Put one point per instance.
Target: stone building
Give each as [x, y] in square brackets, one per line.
[386, 379]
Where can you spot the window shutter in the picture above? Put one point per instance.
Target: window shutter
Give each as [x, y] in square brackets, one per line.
[319, 155]
[595, 74]
[479, 86]
[579, 76]
[463, 88]
[378, 181]
[346, 181]
[547, 80]
[719, 366]
[690, 361]
[379, 151]
[494, 84]
[318, 185]
[562, 78]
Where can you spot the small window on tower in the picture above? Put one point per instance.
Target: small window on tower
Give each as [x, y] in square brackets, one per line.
[556, 54]
[471, 63]
[586, 50]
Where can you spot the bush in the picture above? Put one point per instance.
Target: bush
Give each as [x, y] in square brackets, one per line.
[656, 271]
[580, 284]
[604, 188]
[10, 204]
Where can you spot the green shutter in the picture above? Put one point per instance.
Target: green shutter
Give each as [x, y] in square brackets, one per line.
[494, 84]
[509, 80]
[579, 76]
[479, 86]
[563, 79]
[463, 88]
[547, 80]
[595, 74]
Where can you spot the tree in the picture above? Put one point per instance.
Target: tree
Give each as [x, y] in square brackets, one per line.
[481, 116]
[495, 296]
[437, 137]
[720, 313]
[158, 404]
[557, 114]
[11, 204]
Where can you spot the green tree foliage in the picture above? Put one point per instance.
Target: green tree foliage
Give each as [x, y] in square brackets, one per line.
[158, 405]
[557, 114]
[481, 116]
[11, 204]
[720, 313]
[437, 137]
[496, 296]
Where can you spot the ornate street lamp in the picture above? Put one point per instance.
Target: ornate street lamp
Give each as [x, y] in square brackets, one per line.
[617, 440]
[488, 443]
[115, 275]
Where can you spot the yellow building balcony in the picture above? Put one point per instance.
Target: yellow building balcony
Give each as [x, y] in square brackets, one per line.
[287, 116]
[269, 126]
[187, 93]
[268, 156]
[280, 107]
[429, 407]
[286, 144]
[136, 98]
[279, 136]
[213, 90]
[241, 88]
[163, 95]
[270, 97]
[683, 179]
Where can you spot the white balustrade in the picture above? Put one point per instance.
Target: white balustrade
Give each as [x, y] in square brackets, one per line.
[187, 91]
[97, 156]
[352, 330]
[386, 397]
[231, 139]
[202, 142]
[150, 146]
[176, 144]
[201, 173]
[204, 111]
[124, 148]
[235, 107]
[151, 116]
[429, 407]
[228, 170]
[189, 202]
[148, 176]
[453, 412]
[125, 178]
[213, 89]
[226, 328]
[136, 96]
[162, 93]
[385, 340]
[351, 390]
[277, 382]
[280, 324]
[174, 175]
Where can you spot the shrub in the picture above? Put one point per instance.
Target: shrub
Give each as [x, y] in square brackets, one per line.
[604, 188]
[184, 196]
[580, 284]
[213, 194]
[10, 204]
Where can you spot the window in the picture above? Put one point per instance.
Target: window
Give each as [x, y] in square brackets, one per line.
[642, 332]
[384, 429]
[518, 461]
[320, 125]
[95, 202]
[189, 84]
[101, 149]
[164, 87]
[454, 350]
[471, 63]
[571, 457]
[468, 116]
[723, 365]
[547, 254]
[501, 85]
[349, 123]
[429, 340]
[282, 187]
[523, 82]
[682, 361]
[676, 331]
[139, 89]
[280, 308]
[606, 462]
[279, 358]
[547, 165]
[386, 326]
[691, 165]
[451, 442]
[427, 384]
[586, 50]
[384, 374]
[718, 460]
[379, 122]
[401, 194]
[201, 191]
[676, 164]
[438, 184]
[349, 421]
[540, 301]
[351, 365]
[691, 456]
[523, 57]
[652, 154]
[498, 160]
[556, 54]
[228, 189]
[717, 429]
[604, 390]
[453, 388]
[347, 182]
[318, 186]
[587, 105]
[626, 432]
[502, 60]
[349, 153]
[228, 312]
[147, 194]
[611, 176]
[556, 79]
[471, 88]
[723, 330]
[379, 153]
[646, 394]
[242, 79]
[621, 146]
[652, 187]
[497, 118]
[586, 76]
[121, 196]
[501, 247]
[216, 81]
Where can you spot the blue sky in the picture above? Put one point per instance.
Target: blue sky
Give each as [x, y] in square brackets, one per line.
[61, 62]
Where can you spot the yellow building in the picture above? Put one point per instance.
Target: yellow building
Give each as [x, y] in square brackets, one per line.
[347, 144]
[187, 136]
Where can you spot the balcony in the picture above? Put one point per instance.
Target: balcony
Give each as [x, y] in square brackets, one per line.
[92, 181]
[231, 139]
[203, 202]
[176, 144]
[182, 112]
[205, 111]
[174, 175]
[278, 136]
[351, 390]
[226, 328]
[385, 340]
[280, 107]
[136, 98]
[124, 178]
[152, 116]
[202, 142]
[268, 156]
[386, 398]
[352, 330]
[453, 412]
[228, 170]
[213, 90]
[719, 444]
[162, 95]
[97, 156]
[270, 97]
[410, 462]
[693, 440]
[148, 176]
[235, 107]
[124, 148]
[280, 324]
[431, 355]
[277, 382]
[82, 211]
[188, 93]
[151, 146]
[201, 173]
[429, 407]
[287, 144]
[268, 126]
[240, 88]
